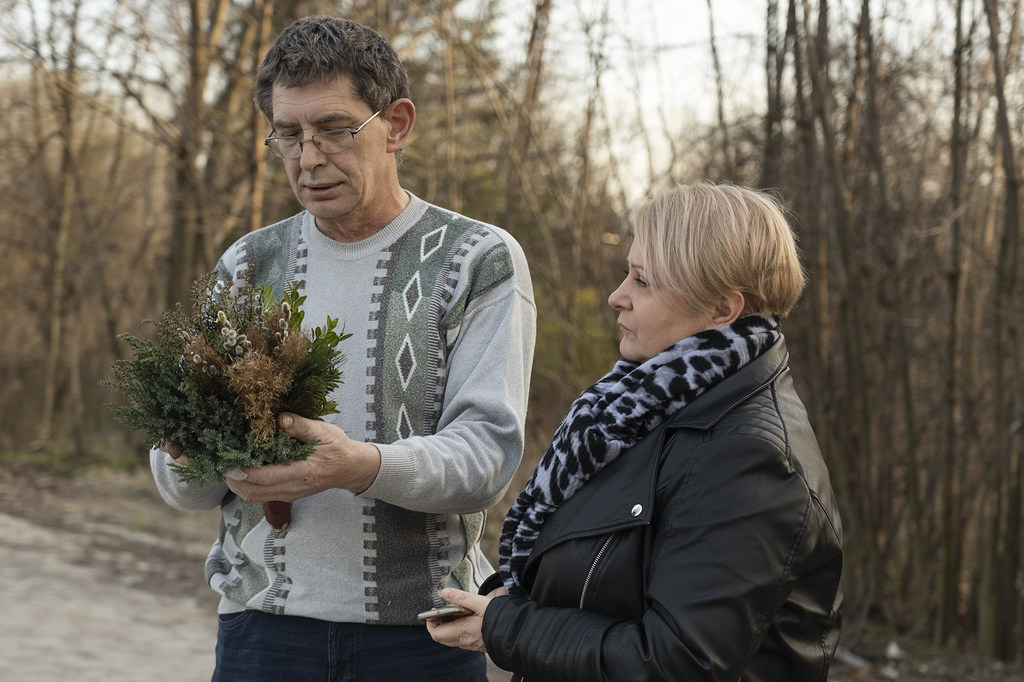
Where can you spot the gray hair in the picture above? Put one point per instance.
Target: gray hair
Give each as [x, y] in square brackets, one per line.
[318, 49]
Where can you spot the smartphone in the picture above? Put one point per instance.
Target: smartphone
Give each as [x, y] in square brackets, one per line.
[444, 614]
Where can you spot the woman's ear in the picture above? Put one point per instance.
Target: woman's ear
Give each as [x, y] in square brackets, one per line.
[401, 115]
[730, 306]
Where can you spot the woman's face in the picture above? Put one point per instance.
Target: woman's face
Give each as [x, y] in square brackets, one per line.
[650, 323]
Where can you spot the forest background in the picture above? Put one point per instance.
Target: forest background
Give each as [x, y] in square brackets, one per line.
[892, 129]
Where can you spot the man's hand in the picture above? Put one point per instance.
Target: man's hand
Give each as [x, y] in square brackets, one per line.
[337, 462]
[176, 452]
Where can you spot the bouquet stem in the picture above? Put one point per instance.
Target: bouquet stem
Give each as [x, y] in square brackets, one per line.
[278, 514]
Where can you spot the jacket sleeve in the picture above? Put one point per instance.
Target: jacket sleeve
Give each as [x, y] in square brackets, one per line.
[729, 533]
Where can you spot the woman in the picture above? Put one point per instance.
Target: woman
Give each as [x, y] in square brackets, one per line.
[681, 525]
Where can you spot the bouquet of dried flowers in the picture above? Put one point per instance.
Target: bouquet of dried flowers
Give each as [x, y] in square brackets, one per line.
[219, 374]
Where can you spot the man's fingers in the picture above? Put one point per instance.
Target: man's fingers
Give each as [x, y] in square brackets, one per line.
[299, 427]
[175, 451]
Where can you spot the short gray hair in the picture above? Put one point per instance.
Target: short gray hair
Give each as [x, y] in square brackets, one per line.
[318, 49]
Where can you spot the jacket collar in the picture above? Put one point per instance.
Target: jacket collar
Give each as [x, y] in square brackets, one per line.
[709, 408]
[622, 494]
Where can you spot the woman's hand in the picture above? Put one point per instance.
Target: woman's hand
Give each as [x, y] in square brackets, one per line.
[464, 632]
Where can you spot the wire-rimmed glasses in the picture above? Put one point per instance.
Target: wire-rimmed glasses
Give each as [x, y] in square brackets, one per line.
[329, 141]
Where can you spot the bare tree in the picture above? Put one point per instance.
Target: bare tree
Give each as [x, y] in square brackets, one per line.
[211, 130]
[1009, 383]
[61, 95]
[728, 165]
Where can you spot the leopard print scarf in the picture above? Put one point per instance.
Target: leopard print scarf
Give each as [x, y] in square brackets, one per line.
[616, 412]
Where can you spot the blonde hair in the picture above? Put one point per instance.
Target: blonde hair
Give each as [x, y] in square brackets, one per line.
[702, 240]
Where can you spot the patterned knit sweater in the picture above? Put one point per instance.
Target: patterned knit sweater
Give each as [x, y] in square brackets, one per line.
[436, 374]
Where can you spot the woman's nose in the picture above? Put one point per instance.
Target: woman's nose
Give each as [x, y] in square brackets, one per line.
[617, 300]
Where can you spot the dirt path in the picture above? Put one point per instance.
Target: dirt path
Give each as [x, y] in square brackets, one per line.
[66, 615]
[100, 581]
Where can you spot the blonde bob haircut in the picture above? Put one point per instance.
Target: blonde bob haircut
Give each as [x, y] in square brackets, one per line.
[703, 240]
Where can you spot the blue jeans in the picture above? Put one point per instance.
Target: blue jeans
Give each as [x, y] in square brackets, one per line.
[253, 646]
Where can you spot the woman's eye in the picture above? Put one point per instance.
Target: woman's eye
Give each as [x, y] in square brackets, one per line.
[639, 281]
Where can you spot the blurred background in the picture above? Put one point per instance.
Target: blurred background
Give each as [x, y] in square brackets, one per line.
[892, 129]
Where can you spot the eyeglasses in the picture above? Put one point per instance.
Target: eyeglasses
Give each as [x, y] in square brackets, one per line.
[329, 141]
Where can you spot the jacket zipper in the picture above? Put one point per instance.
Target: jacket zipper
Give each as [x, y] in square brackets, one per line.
[593, 566]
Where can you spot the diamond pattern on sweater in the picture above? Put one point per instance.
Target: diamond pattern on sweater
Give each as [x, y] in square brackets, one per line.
[412, 295]
[431, 242]
[406, 362]
[404, 426]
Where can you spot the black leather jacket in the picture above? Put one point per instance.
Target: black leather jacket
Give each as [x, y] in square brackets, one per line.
[710, 550]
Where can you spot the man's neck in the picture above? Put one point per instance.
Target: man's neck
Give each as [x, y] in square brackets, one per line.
[356, 228]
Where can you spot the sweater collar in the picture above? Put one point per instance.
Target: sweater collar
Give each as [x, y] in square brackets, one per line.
[322, 245]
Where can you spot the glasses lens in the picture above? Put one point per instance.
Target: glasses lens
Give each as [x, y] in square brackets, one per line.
[284, 147]
[334, 141]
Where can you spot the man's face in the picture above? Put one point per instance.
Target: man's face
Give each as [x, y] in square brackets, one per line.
[345, 188]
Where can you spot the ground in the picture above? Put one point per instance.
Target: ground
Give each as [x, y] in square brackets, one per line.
[102, 581]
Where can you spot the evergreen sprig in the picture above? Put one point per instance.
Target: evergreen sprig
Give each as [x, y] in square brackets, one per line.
[218, 376]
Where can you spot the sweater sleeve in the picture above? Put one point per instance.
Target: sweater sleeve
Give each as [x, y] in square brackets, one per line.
[184, 496]
[468, 463]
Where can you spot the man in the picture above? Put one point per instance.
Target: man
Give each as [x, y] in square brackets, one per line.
[389, 508]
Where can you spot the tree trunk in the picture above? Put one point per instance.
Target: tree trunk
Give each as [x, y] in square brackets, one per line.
[1008, 385]
[729, 168]
[63, 90]
[775, 59]
[520, 139]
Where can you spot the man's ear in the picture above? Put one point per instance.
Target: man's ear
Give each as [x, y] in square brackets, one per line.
[400, 115]
[729, 307]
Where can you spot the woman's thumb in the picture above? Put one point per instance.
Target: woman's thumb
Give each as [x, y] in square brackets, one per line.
[453, 596]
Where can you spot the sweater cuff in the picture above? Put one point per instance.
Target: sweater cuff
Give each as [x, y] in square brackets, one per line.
[397, 469]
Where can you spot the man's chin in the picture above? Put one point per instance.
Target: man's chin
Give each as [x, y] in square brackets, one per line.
[326, 209]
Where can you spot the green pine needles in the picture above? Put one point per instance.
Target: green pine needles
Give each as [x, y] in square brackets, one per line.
[216, 379]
